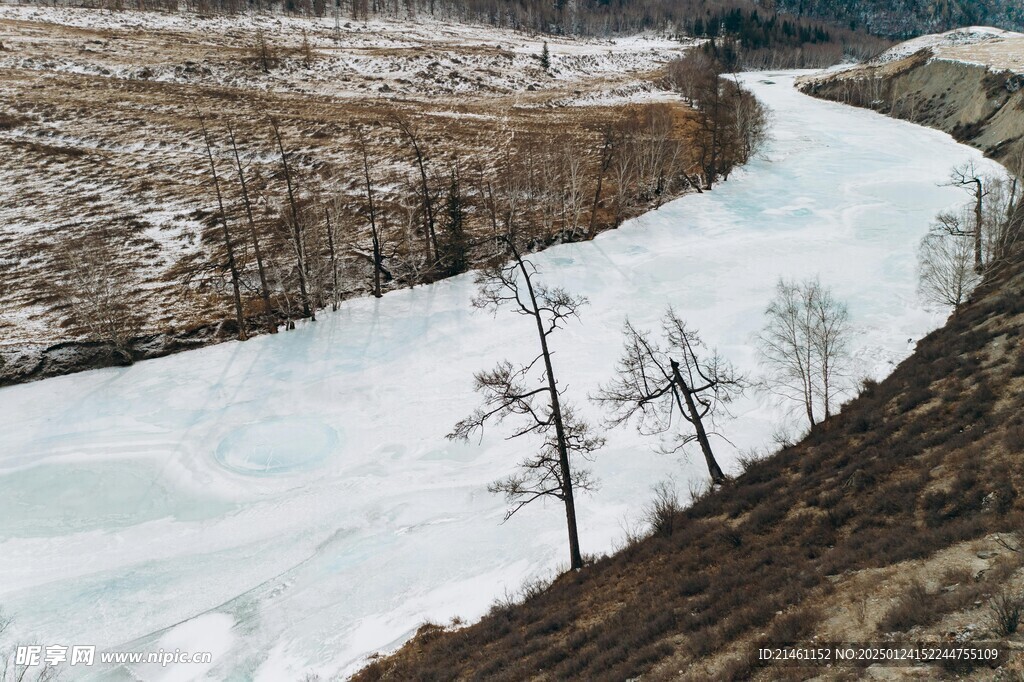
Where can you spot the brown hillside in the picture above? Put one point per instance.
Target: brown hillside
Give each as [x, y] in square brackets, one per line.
[895, 519]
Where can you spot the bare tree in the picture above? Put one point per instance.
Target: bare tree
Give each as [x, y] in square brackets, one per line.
[518, 391]
[968, 177]
[573, 190]
[253, 235]
[657, 384]
[609, 144]
[1003, 218]
[623, 171]
[333, 255]
[296, 225]
[946, 275]
[263, 52]
[229, 248]
[804, 345]
[429, 232]
[993, 222]
[97, 292]
[371, 212]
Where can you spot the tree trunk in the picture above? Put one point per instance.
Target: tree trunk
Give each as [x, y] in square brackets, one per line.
[717, 475]
[807, 374]
[979, 267]
[377, 260]
[334, 262]
[430, 233]
[300, 255]
[228, 246]
[592, 228]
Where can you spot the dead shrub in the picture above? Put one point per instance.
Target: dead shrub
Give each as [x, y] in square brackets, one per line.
[914, 607]
[663, 512]
[1007, 608]
[793, 626]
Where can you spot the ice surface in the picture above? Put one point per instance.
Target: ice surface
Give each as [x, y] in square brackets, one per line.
[277, 445]
[293, 497]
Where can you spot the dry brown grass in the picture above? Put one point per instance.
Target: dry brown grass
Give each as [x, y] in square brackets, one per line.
[90, 141]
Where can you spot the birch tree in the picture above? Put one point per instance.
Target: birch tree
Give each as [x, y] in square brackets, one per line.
[804, 345]
[946, 261]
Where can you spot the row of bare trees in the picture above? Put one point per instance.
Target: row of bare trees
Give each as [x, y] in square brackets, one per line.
[284, 238]
[731, 124]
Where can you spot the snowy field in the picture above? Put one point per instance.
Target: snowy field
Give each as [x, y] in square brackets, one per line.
[426, 57]
[291, 505]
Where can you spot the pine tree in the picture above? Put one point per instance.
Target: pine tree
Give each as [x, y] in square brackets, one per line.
[455, 247]
[545, 58]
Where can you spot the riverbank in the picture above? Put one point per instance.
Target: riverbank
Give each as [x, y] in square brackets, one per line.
[968, 83]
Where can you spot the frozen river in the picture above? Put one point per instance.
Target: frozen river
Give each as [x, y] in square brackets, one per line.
[290, 504]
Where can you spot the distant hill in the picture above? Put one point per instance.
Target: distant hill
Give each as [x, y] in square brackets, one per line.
[967, 82]
[901, 19]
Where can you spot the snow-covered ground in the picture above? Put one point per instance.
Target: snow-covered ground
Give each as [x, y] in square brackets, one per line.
[993, 47]
[290, 503]
[424, 56]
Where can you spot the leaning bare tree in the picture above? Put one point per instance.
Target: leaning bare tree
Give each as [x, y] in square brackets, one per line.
[531, 393]
[296, 224]
[659, 383]
[429, 231]
[804, 345]
[268, 311]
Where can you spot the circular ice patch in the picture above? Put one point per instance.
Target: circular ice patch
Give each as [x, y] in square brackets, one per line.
[276, 446]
